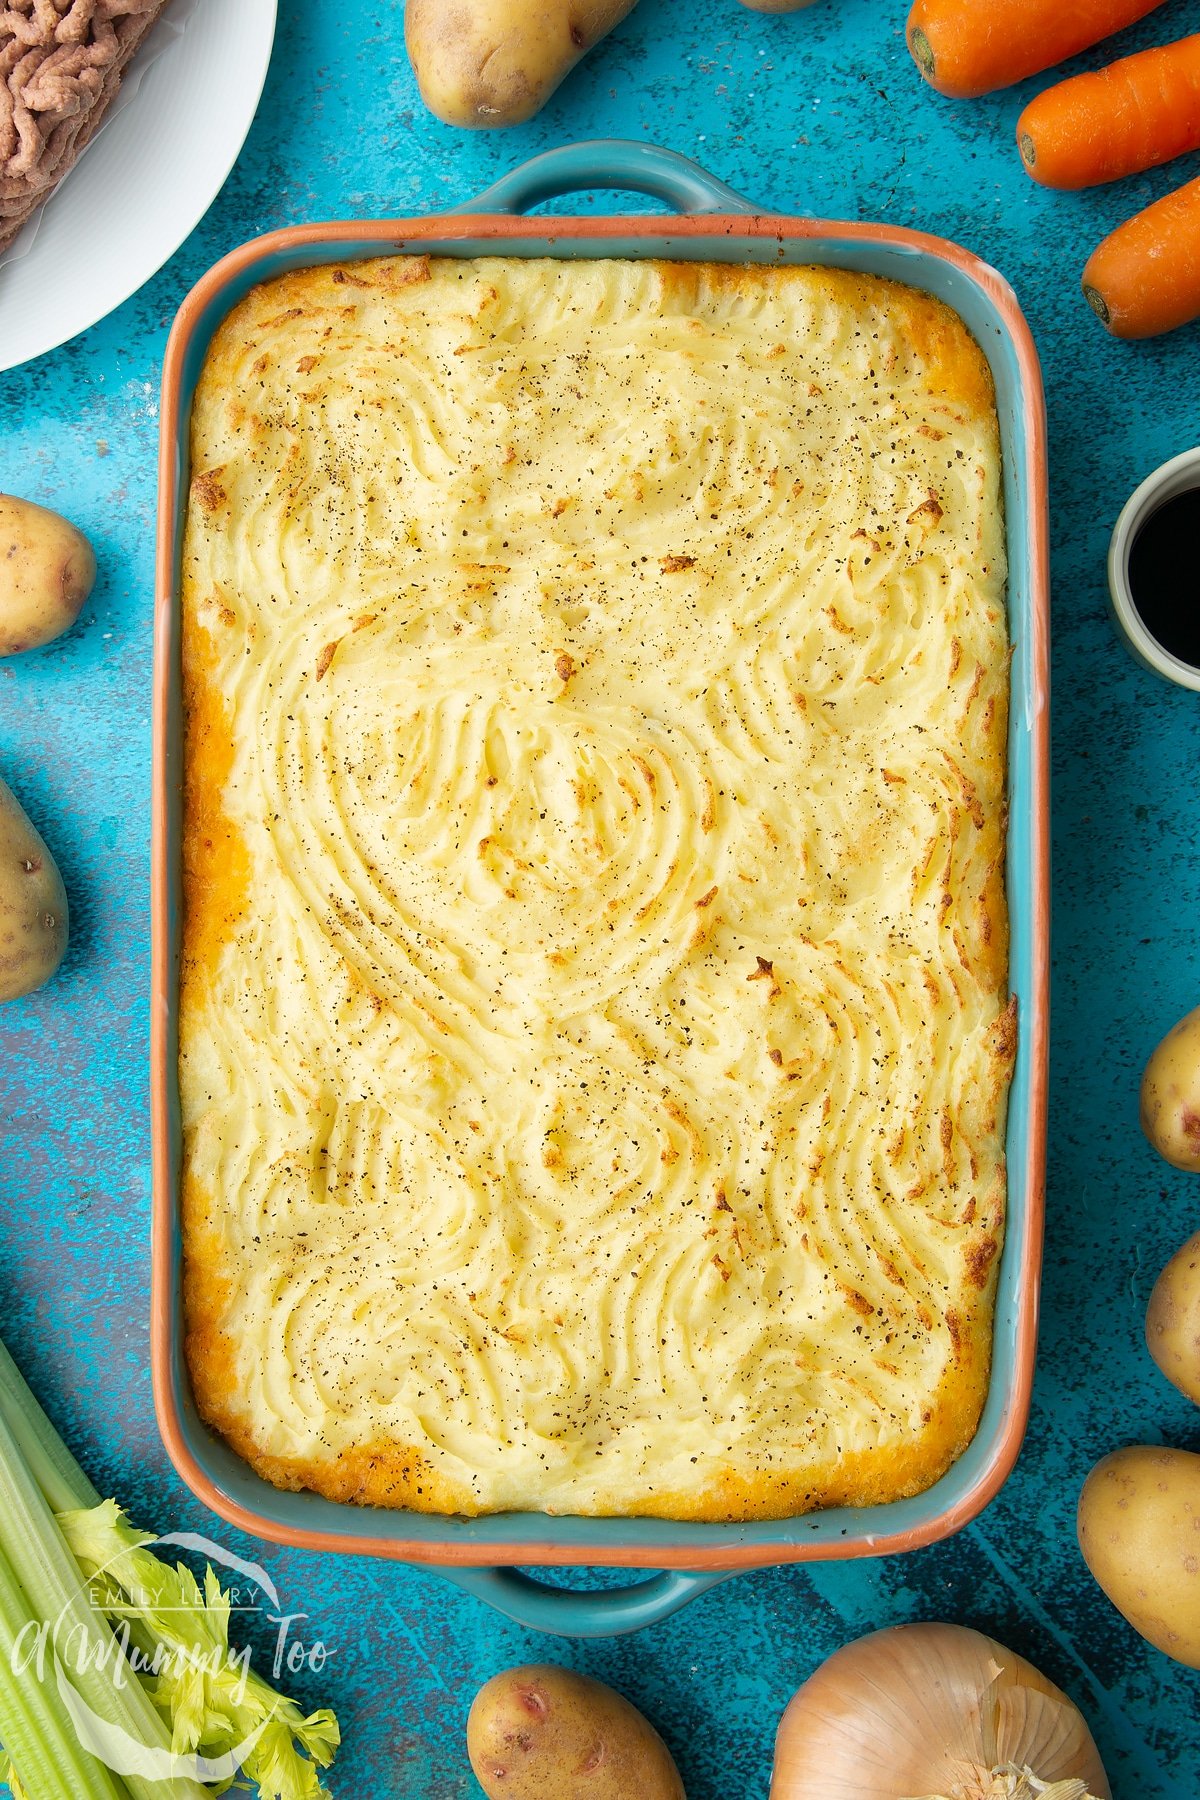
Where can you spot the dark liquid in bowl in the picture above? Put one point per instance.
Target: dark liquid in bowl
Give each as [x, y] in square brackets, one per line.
[1164, 575]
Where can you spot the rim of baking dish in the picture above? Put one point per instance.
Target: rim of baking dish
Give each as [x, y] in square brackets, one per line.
[459, 1546]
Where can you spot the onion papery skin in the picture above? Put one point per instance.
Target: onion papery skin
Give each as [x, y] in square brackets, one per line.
[927, 1710]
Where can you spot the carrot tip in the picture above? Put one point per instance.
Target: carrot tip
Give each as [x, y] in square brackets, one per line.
[922, 51]
[1027, 148]
[1098, 303]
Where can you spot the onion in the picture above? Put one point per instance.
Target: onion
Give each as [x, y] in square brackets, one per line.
[933, 1712]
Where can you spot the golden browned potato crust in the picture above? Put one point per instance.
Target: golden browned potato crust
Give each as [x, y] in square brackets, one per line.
[594, 1023]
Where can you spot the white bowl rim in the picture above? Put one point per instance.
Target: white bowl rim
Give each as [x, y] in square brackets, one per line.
[1171, 478]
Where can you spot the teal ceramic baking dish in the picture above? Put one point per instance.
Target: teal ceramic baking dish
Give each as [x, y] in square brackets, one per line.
[484, 1555]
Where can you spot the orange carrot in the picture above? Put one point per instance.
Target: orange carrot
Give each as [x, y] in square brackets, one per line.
[1135, 114]
[968, 47]
[1145, 277]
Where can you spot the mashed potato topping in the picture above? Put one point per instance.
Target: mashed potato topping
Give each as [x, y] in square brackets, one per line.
[594, 1032]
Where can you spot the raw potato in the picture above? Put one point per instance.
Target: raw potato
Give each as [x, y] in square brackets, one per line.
[46, 573]
[497, 62]
[1139, 1530]
[1170, 1104]
[33, 904]
[544, 1733]
[1173, 1320]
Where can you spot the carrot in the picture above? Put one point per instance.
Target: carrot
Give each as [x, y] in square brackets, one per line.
[969, 47]
[1135, 114]
[1145, 277]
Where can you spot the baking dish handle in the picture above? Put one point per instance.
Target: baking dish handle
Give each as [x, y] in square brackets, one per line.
[610, 163]
[591, 1613]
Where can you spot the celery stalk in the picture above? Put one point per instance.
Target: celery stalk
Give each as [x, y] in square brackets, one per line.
[50, 1462]
[34, 1728]
[215, 1706]
[220, 1706]
[31, 1539]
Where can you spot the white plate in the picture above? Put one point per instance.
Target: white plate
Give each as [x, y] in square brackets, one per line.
[149, 177]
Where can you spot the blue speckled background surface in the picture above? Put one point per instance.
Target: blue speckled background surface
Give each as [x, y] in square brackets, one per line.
[822, 112]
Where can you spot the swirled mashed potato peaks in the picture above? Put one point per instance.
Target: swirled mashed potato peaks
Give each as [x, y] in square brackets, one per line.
[594, 1027]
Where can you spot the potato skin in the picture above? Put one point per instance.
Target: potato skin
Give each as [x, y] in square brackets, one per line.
[1170, 1098]
[1173, 1320]
[46, 573]
[33, 904]
[1139, 1530]
[485, 63]
[544, 1733]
